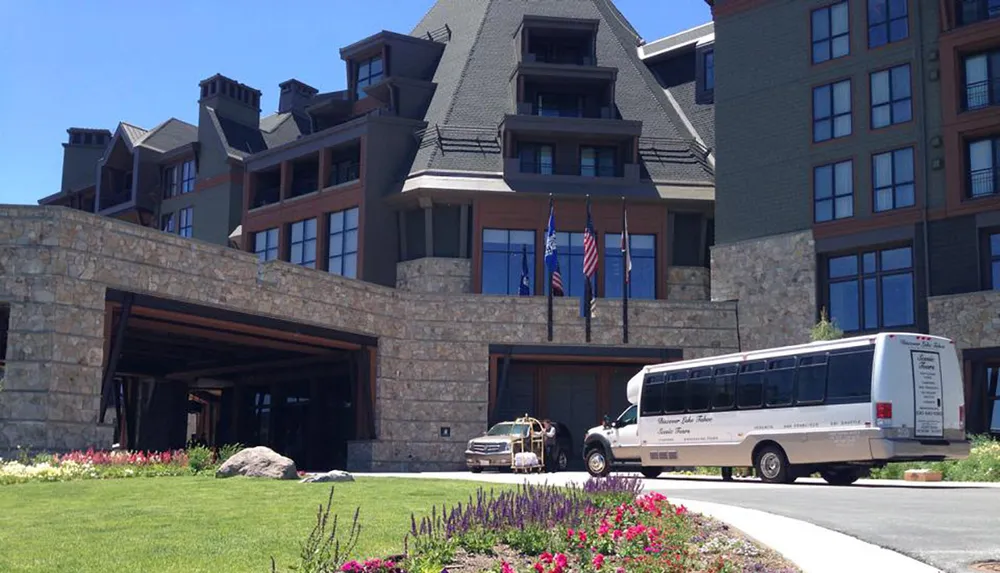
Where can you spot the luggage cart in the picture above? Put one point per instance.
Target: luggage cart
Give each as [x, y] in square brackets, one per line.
[527, 451]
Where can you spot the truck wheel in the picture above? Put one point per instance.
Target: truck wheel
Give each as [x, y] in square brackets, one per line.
[651, 473]
[772, 465]
[597, 463]
[562, 461]
[840, 476]
[476, 470]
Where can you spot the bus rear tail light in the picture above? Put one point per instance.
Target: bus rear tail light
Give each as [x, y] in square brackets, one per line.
[883, 410]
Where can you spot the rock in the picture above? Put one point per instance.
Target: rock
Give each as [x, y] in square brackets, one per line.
[258, 462]
[922, 475]
[330, 476]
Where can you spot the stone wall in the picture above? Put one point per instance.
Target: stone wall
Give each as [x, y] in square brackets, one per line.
[688, 283]
[972, 320]
[432, 365]
[446, 276]
[774, 280]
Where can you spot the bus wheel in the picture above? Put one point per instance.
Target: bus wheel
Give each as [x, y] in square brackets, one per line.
[844, 476]
[772, 465]
[597, 463]
[727, 474]
[651, 473]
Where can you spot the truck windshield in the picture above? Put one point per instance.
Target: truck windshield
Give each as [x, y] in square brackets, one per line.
[508, 430]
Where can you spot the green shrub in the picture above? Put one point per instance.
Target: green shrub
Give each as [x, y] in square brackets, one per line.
[199, 458]
[227, 451]
[531, 540]
[983, 464]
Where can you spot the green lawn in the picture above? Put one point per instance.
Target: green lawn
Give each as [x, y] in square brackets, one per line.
[192, 524]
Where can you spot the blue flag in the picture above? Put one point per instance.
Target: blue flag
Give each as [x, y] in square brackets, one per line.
[525, 288]
[551, 257]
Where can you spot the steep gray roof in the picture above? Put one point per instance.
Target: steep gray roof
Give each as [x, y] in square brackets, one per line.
[274, 130]
[132, 133]
[169, 135]
[473, 79]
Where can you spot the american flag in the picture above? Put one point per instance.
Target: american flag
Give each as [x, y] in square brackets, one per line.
[590, 258]
[557, 284]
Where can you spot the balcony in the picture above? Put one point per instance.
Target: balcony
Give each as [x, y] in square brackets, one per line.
[115, 199]
[559, 41]
[983, 94]
[305, 177]
[983, 183]
[267, 188]
[968, 12]
[603, 127]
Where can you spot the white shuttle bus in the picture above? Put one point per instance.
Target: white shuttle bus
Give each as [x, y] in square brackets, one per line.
[834, 407]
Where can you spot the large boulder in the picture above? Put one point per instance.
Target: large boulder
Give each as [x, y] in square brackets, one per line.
[330, 476]
[258, 462]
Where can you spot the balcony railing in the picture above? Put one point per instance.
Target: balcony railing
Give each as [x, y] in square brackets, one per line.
[983, 183]
[528, 108]
[599, 171]
[982, 94]
[540, 167]
[115, 199]
[972, 11]
[266, 196]
[567, 58]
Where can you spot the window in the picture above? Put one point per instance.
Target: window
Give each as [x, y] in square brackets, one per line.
[972, 11]
[871, 290]
[832, 111]
[674, 393]
[303, 245]
[344, 170]
[369, 73]
[724, 385]
[628, 417]
[699, 390]
[502, 252]
[779, 382]
[849, 377]
[833, 190]
[984, 156]
[642, 281]
[536, 158]
[343, 256]
[266, 244]
[187, 177]
[170, 182]
[888, 22]
[598, 162]
[167, 223]
[982, 80]
[559, 105]
[831, 33]
[750, 385]
[891, 99]
[810, 383]
[651, 401]
[569, 246]
[892, 179]
[187, 221]
[992, 258]
[709, 82]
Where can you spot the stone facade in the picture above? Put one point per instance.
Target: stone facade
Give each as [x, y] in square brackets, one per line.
[688, 283]
[432, 363]
[435, 275]
[972, 320]
[774, 280]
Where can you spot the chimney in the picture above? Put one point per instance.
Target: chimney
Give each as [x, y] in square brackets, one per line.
[295, 95]
[83, 149]
[231, 99]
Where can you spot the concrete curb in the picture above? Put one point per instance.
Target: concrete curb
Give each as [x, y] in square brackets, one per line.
[812, 548]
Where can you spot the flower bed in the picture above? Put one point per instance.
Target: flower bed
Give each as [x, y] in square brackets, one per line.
[605, 526]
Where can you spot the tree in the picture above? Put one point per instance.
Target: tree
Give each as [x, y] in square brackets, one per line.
[826, 329]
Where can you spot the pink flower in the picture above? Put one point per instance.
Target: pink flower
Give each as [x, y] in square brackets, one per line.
[351, 566]
[546, 557]
[538, 567]
[598, 561]
[681, 510]
[561, 561]
[506, 568]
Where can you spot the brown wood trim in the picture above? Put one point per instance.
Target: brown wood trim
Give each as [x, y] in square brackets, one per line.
[211, 334]
[909, 215]
[569, 361]
[305, 207]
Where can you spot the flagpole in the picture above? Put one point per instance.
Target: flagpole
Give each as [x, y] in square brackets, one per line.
[549, 273]
[589, 290]
[626, 256]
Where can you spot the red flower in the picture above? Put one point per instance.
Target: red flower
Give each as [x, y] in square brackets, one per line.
[598, 561]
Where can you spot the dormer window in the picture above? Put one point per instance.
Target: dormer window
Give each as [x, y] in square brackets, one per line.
[368, 73]
[709, 82]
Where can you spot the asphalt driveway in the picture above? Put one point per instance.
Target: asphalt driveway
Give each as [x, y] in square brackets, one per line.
[949, 526]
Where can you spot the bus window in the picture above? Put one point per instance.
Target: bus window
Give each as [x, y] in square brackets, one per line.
[811, 379]
[674, 394]
[850, 377]
[724, 386]
[749, 385]
[651, 401]
[779, 382]
[699, 390]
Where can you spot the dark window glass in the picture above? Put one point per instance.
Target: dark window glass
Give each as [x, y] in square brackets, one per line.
[167, 223]
[709, 70]
[891, 99]
[502, 253]
[302, 250]
[651, 402]
[810, 387]
[850, 377]
[982, 79]
[187, 222]
[187, 176]
[878, 294]
[170, 182]
[598, 162]
[750, 385]
[830, 32]
[833, 190]
[536, 158]
[994, 270]
[699, 390]
[779, 382]
[893, 179]
[559, 105]
[266, 244]
[642, 281]
[675, 393]
[832, 111]
[724, 384]
[343, 246]
[369, 73]
[888, 21]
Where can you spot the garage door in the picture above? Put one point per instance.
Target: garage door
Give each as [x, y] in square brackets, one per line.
[572, 400]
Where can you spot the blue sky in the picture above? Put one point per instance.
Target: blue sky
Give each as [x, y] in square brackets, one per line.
[93, 64]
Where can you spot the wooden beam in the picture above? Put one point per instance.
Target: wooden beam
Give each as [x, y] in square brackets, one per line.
[210, 372]
[107, 386]
[226, 336]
